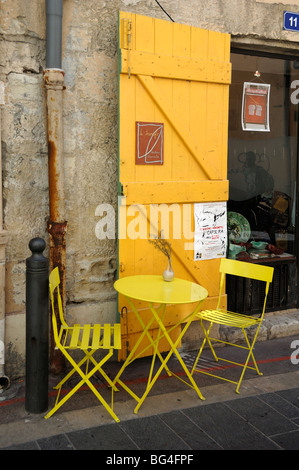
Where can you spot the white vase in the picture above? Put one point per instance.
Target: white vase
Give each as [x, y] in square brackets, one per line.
[168, 274]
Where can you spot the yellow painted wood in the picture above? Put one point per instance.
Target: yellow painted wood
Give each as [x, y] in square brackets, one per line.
[178, 75]
[149, 221]
[175, 192]
[182, 68]
[209, 167]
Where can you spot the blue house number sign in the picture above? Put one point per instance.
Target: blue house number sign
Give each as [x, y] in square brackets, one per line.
[290, 21]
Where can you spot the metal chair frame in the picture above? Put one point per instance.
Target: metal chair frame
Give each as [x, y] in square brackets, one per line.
[87, 338]
[231, 319]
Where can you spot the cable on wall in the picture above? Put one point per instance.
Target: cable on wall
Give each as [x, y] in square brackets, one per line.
[164, 10]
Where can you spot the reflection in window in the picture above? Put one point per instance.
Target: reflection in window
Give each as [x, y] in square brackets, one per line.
[262, 166]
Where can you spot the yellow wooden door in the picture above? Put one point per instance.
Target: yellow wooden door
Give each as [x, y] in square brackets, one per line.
[174, 77]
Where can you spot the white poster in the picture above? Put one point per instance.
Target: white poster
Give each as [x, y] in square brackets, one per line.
[210, 235]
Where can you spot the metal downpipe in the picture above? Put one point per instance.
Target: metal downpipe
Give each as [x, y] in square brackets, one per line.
[57, 227]
[54, 11]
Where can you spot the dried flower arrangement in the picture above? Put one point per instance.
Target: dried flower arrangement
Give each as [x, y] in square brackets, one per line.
[161, 244]
[165, 247]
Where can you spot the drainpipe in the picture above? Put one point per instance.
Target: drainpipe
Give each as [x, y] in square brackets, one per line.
[4, 380]
[57, 226]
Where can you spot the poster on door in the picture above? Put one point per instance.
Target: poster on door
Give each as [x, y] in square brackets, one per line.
[210, 234]
[255, 107]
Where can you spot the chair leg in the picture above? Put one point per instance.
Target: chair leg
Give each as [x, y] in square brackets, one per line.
[244, 365]
[251, 347]
[198, 355]
[65, 379]
[85, 379]
[242, 374]
[58, 404]
[102, 372]
[250, 354]
[87, 357]
[206, 339]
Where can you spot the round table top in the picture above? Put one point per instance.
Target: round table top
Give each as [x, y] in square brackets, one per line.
[153, 289]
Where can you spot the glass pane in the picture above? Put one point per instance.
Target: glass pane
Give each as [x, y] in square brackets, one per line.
[262, 165]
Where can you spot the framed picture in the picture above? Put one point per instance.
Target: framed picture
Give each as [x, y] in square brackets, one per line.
[149, 143]
[255, 107]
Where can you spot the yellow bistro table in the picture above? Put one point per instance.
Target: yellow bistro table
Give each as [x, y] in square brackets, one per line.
[159, 293]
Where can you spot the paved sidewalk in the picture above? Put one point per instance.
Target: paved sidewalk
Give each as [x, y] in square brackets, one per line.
[265, 416]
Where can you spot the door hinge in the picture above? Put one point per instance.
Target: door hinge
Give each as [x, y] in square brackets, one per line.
[121, 267]
[129, 47]
[127, 40]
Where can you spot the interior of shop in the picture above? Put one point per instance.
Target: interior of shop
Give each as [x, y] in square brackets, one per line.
[262, 165]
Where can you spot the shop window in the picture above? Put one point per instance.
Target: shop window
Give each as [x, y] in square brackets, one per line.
[262, 166]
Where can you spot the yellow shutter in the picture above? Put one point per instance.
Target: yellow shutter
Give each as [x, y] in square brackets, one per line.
[177, 75]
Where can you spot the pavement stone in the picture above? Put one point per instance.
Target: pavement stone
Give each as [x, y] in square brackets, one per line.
[264, 416]
[249, 423]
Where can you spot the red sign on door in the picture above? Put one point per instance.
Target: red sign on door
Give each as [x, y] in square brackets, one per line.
[149, 143]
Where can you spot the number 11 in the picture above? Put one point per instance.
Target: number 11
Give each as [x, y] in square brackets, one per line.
[293, 20]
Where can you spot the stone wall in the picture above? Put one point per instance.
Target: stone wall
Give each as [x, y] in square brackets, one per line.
[24, 156]
[90, 133]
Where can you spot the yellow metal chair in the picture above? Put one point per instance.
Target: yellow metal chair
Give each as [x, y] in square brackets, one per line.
[88, 339]
[231, 319]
